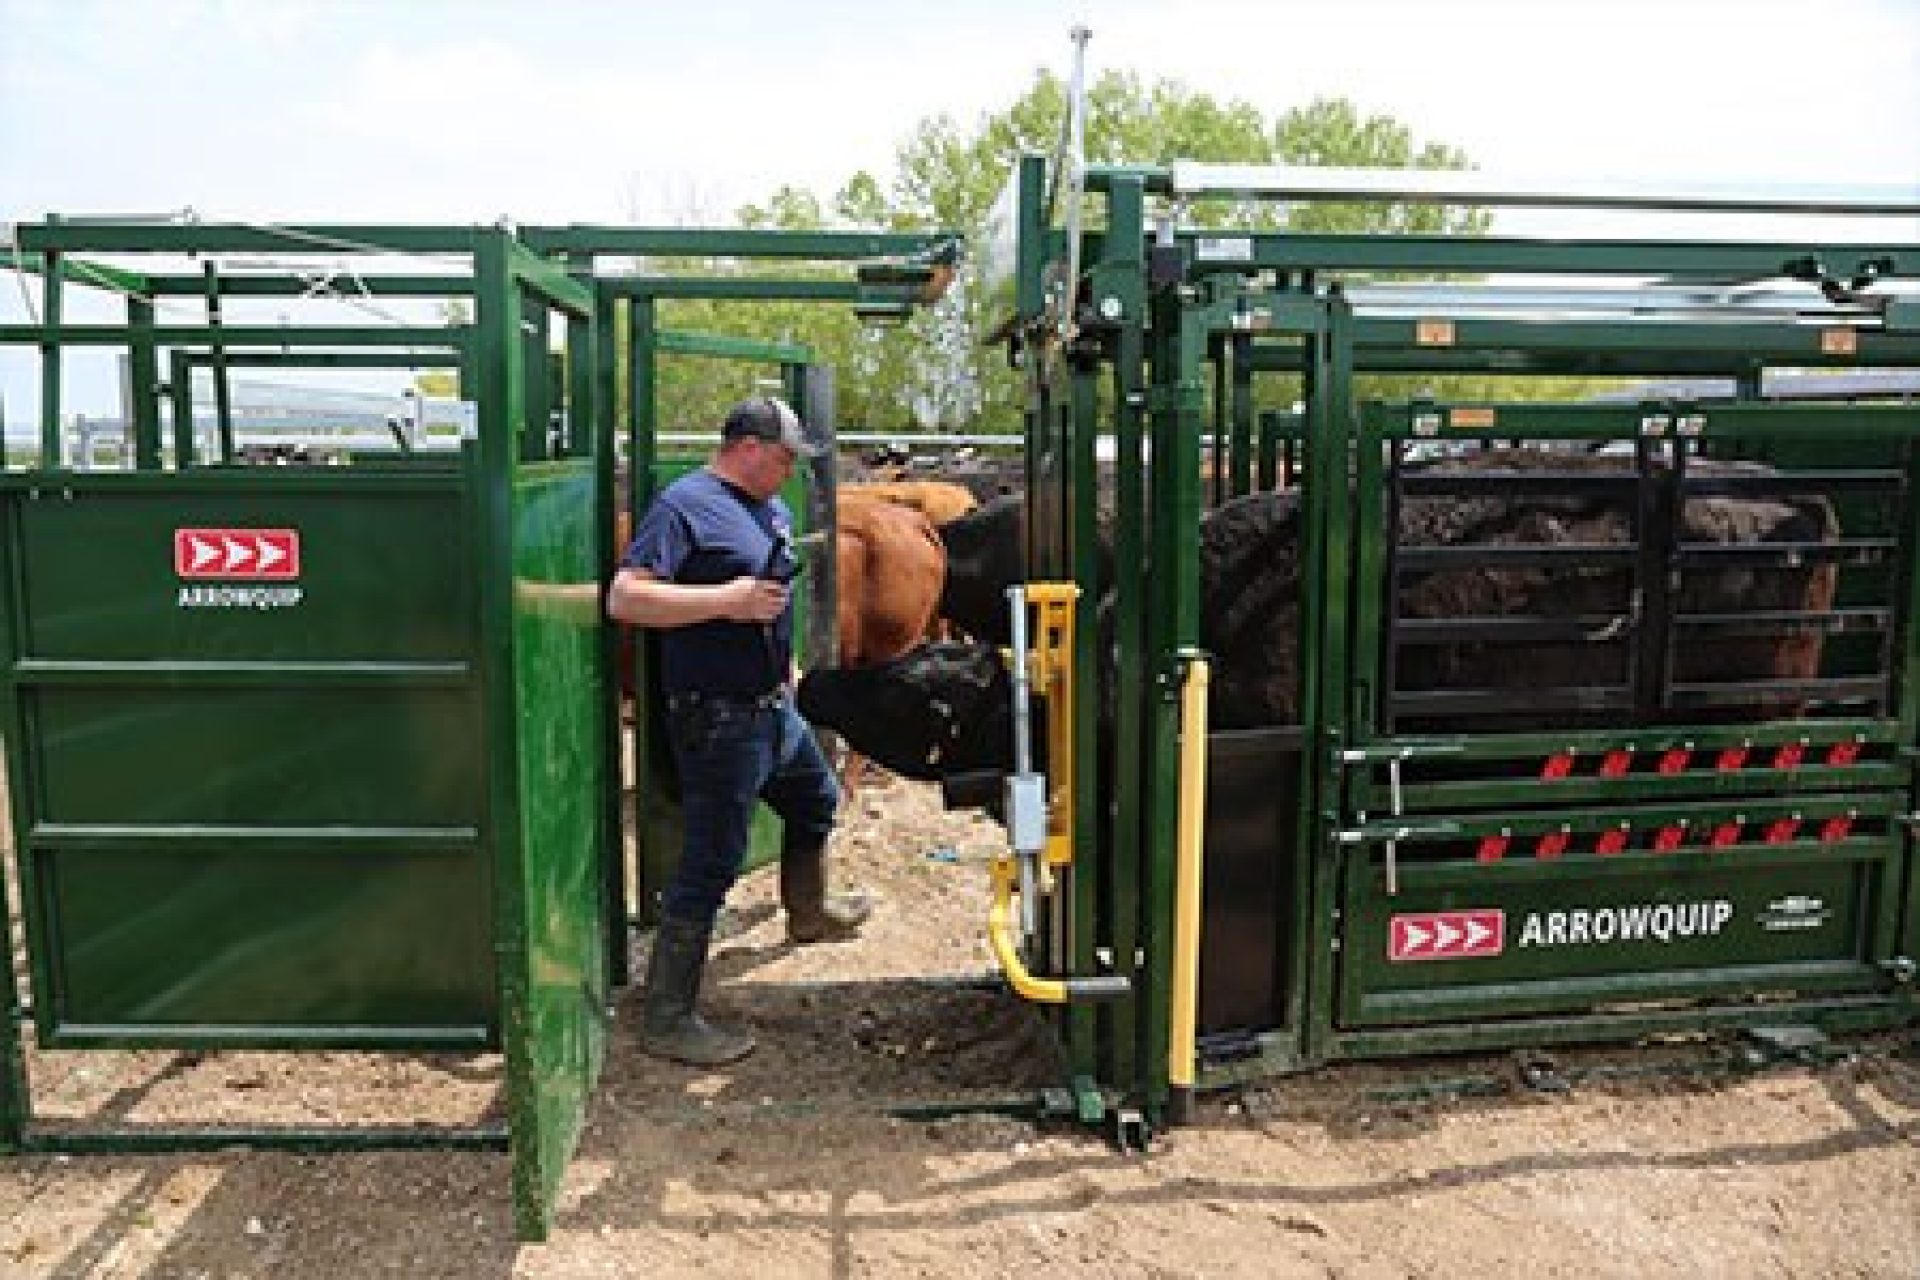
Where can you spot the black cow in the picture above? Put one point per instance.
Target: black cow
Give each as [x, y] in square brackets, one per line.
[938, 713]
[986, 554]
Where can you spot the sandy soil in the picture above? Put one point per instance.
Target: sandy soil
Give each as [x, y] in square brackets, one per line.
[788, 1165]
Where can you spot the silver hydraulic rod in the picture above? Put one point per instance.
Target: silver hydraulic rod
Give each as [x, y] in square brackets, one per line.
[1022, 714]
[1026, 790]
[1076, 176]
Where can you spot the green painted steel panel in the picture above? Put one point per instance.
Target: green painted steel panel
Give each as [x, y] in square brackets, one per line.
[379, 576]
[343, 946]
[1572, 941]
[249, 806]
[559, 995]
[382, 757]
[537, 524]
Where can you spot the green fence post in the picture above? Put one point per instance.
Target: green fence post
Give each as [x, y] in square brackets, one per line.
[53, 294]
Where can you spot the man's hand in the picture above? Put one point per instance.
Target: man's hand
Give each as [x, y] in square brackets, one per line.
[754, 599]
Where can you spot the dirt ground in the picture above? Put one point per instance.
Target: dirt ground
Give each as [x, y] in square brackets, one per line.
[787, 1165]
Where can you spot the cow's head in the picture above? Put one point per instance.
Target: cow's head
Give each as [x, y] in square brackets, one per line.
[936, 712]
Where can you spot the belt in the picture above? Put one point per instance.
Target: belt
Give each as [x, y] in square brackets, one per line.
[759, 701]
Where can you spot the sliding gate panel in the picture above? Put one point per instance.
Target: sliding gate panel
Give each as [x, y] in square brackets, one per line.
[245, 740]
[1630, 719]
[554, 949]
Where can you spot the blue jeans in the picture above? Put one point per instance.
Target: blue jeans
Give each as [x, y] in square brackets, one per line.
[733, 752]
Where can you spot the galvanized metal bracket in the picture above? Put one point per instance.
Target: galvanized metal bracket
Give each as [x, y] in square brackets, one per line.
[1128, 1130]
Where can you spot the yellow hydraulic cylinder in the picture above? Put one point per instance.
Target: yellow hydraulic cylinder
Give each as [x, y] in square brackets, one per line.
[1002, 933]
[1052, 668]
[1048, 666]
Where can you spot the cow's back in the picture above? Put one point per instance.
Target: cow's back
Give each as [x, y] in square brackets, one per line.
[937, 500]
[891, 566]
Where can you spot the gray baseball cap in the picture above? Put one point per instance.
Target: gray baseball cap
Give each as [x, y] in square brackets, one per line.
[770, 419]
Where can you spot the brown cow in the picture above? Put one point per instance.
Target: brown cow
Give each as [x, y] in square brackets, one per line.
[938, 500]
[891, 566]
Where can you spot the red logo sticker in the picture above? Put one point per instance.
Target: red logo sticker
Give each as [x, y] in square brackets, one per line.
[1446, 935]
[252, 554]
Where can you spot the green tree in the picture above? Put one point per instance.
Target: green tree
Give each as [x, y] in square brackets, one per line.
[949, 176]
[936, 372]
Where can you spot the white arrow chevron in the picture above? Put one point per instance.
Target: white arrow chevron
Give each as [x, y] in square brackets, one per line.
[203, 552]
[238, 553]
[1477, 933]
[1415, 936]
[270, 553]
[1448, 935]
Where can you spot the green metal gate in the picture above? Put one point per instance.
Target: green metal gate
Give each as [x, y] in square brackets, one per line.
[244, 815]
[328, 755]
[319, 756]
[1654, 829]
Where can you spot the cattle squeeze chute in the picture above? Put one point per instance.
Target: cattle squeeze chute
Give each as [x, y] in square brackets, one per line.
[1531, 721]
[1534, 720]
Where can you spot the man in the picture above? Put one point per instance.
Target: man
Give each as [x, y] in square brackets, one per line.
[709, 568]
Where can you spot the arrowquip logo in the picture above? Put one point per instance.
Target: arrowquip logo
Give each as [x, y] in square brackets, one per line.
[1446, 935]
[1658, 922]
[237, 568]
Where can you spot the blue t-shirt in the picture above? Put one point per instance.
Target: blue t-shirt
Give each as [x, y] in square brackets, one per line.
[700, 529]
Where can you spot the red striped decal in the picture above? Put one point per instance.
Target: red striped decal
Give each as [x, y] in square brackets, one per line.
[1727, 833]
[1492, 849]
[1551, 845]
[1667, 839]
[1611, 841]
[1843, 753]
[1834, 830]
[1788, 756]
[1730, 759]
[1616, 764]
[1557, 766]
[1675, 761]
[247, 554]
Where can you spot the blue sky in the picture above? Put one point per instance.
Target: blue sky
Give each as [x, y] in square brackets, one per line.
[607, 109]
[628, 110]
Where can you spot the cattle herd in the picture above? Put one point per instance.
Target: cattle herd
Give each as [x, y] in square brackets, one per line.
[937, 710]
[923, 566]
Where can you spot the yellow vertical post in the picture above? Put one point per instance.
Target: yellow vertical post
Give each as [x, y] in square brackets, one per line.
[1188, 868]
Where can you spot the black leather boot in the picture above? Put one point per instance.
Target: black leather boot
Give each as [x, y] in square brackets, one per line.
[669, 1026]
[812, 914]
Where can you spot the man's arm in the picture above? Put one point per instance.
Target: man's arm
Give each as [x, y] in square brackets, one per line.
[639, 598]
